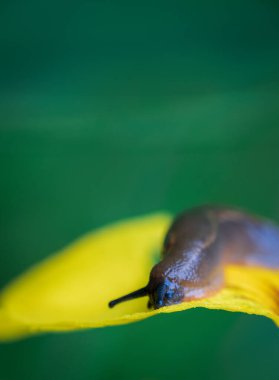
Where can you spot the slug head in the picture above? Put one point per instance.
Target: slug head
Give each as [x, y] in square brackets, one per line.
[162, 291]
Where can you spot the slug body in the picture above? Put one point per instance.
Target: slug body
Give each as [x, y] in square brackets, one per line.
[198, 246]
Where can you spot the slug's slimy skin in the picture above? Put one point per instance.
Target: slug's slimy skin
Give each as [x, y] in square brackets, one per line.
[198, 246]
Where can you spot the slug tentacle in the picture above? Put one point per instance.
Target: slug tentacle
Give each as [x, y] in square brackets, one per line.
[136, 294]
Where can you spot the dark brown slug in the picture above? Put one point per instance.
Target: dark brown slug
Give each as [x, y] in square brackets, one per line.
[198, 246]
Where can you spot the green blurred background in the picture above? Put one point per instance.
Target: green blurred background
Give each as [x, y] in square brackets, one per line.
[110, 109]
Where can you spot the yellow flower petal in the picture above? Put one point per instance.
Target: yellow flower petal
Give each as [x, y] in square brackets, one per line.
[71, 290]
[10, 329]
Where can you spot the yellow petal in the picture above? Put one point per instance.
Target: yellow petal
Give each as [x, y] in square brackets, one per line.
[10, 329]
[71, 290]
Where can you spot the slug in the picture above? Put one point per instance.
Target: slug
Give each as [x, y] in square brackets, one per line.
[199, 244]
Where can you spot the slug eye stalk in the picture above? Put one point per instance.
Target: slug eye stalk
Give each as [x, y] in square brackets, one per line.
[136, 294]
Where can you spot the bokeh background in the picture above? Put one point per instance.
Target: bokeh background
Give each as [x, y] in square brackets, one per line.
[111, 109]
